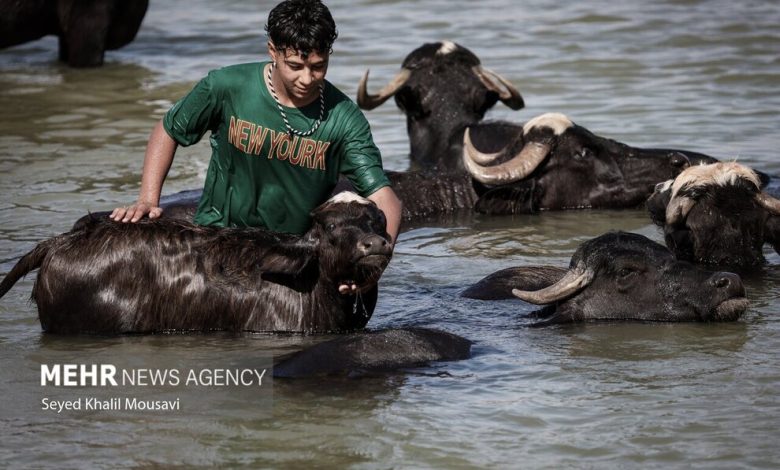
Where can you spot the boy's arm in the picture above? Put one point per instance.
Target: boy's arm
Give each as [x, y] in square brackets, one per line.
[157, 161]
[386, 199]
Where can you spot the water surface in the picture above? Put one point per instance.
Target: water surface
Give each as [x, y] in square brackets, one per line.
[701, 75]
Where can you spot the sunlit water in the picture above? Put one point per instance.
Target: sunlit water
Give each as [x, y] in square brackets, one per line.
[701, 75]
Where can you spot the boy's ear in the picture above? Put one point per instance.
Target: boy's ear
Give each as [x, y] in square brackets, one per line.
[272, 51]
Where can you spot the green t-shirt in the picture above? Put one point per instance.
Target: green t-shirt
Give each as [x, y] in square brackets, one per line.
[259, 175]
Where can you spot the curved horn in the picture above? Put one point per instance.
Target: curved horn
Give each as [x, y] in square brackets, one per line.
[369, 102]
[678, 208]
[507, 92]
[476, 155]
[768, 202]
[571, 283]
[520, 166]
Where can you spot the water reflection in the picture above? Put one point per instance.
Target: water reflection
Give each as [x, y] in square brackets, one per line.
[632, 342]
[82, 107]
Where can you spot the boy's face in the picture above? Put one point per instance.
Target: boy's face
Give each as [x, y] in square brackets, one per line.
[301, 74]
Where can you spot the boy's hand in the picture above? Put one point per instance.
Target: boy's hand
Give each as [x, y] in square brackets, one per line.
[135, 212]
[350, 288]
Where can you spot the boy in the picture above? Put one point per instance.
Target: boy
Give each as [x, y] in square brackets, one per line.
[280, 135]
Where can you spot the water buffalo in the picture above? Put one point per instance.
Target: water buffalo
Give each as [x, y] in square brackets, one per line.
[366, 353]
[86, 28]
[619, 276]
[717, 215]
[554, 164]
[111, 278]
[549, 163]
[442, 88]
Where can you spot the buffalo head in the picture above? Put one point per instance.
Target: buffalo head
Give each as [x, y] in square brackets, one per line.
[554, 164]
[351, 240]
[442, 88]
[620, 276]
[717, 215]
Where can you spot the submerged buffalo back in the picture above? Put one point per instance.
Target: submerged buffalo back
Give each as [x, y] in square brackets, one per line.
[371, 352]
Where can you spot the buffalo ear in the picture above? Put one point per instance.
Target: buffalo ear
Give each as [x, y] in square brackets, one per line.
[287, 264]
[680, 241]
[656, 206]
[772, 233]
[763, 178]
[499, 285]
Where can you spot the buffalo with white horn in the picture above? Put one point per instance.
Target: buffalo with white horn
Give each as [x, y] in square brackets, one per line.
[442, 88]
[717, 215]
[555, 164]
[619, 276]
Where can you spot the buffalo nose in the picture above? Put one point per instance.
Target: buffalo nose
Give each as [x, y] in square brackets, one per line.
[373, 244]
[728, 282]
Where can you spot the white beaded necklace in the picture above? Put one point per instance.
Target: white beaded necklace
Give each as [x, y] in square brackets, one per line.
[290, 130]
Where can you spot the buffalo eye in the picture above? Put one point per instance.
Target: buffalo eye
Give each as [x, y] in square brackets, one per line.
[692, 192]
[627, 271]
[409, 101]
[482, 101]
[584, 153]
[330, 227]
[679, 160]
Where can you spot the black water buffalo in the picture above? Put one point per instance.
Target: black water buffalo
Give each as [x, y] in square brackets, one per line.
[110, 278]
[717, 215]
[373, 352]
[442, 88]
[86, 28]
[619, 276]
[554, 164]
[549, 163]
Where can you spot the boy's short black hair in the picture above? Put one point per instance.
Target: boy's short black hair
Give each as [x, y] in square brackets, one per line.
[303, 26]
